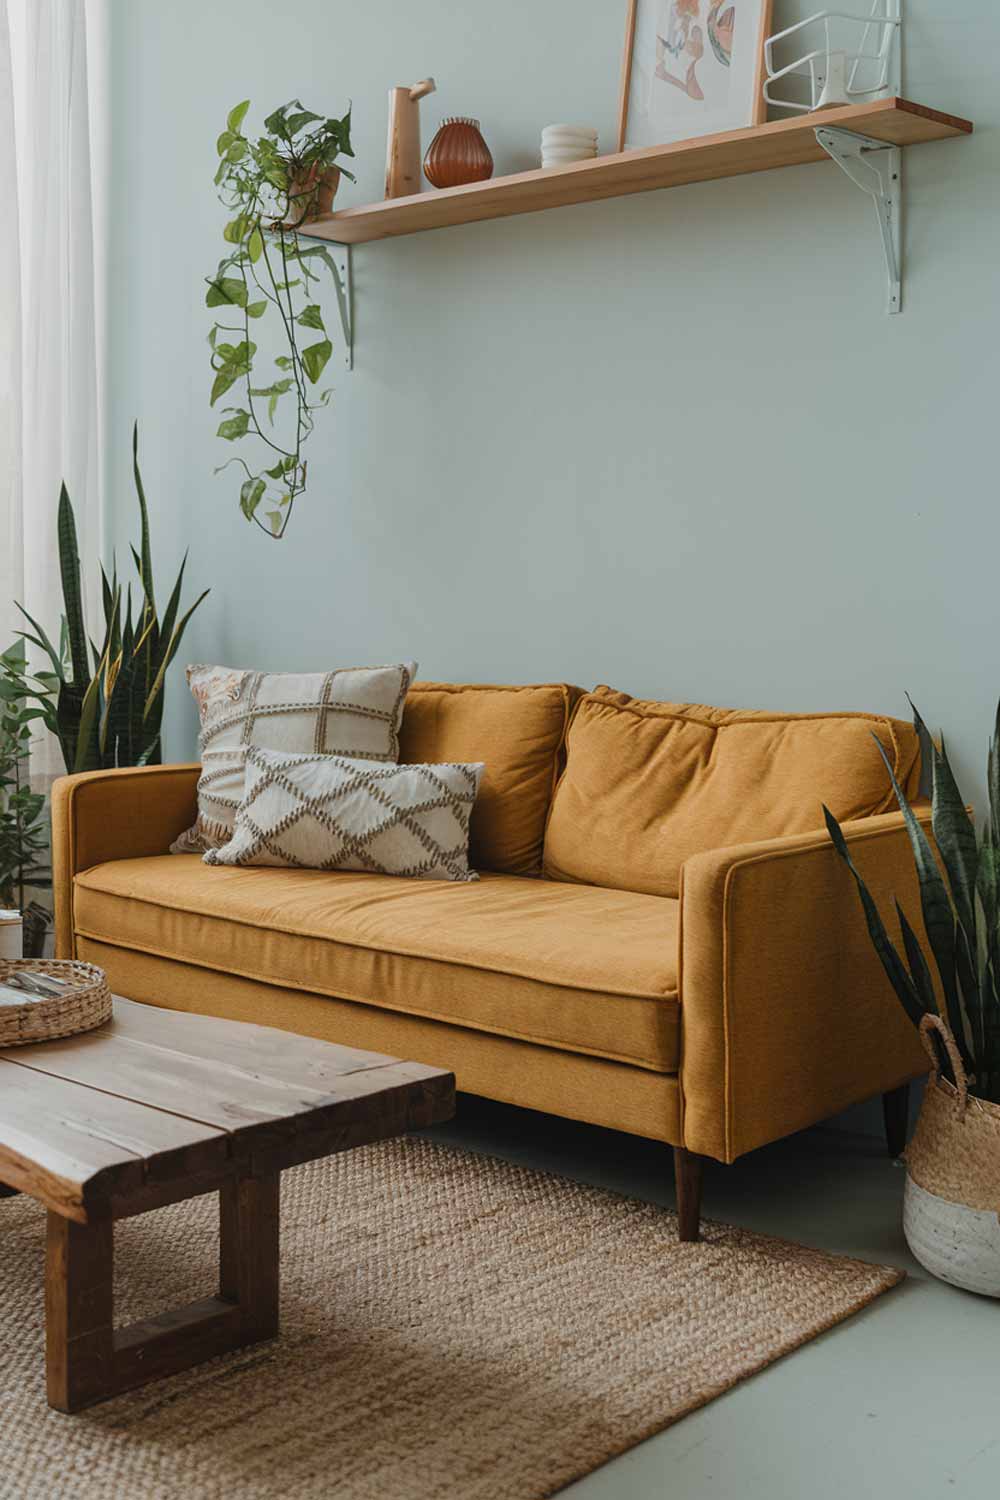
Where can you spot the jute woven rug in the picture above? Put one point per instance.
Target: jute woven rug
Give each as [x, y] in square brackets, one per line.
[454, 1328]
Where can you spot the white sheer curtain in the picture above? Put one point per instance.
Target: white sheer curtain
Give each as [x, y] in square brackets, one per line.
[50, 349]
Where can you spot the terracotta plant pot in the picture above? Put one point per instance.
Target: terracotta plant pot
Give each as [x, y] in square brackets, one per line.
[951, 1208]
[311, 195]
[457, 154]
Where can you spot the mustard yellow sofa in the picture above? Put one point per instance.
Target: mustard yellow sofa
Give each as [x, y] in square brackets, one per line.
[662, 940]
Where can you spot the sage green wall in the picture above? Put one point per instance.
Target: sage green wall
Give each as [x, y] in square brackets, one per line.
[670, 442]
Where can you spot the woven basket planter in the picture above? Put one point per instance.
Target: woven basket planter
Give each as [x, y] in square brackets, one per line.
[86, 1005]
[951, 1208]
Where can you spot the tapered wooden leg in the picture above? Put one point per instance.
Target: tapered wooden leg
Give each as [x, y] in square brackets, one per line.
[687, 1178]
[896, 1110]
[79, 1338]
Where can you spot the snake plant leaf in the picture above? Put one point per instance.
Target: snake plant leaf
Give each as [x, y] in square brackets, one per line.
[938, 912]
[954, 830]
[118, 740]
[988, 1079]
[955, 836]
[993, 779]
[969, 983]
[86, 748]
[179, 630]
[107, 596]
[923, 734]
[112, 638]
[988, 891]
[919, 972]
[69, 567]
[128, 629]
[150, 756]
[146, 566]
[988, 877]
[169, 618]
[893, 965]
[112, 674]
[924, 985]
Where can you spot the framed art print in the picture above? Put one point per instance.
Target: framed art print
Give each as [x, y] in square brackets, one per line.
[691, 67]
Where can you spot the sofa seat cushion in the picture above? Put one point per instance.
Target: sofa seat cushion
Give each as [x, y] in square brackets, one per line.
[569, 966]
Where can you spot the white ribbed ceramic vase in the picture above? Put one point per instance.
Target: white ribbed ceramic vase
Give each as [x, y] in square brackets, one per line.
[951, 1206]
[565, 143]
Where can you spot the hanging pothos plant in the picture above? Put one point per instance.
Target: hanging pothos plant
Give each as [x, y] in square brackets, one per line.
[271, 186]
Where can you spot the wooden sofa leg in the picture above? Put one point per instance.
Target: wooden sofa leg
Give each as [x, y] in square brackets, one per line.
[687, 1179]
[896, 1111]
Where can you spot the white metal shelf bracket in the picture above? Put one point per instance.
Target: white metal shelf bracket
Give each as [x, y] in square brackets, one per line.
[877, 168]
[343, 276]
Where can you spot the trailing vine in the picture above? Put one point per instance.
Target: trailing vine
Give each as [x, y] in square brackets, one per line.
[270, 278]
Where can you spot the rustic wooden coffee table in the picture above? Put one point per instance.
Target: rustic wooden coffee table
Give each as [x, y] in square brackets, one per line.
[159, 1106]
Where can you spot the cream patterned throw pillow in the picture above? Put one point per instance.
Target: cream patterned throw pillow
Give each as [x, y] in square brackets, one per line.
[354, 711]
[325, 812]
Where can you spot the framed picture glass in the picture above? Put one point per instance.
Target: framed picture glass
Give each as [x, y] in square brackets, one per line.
[692, 67]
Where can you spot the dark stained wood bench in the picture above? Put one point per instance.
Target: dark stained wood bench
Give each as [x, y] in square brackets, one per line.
[159, 1106]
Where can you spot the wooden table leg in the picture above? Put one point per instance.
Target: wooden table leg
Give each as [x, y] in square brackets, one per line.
[249, 1252]
[89, 1361]
[79, 1349]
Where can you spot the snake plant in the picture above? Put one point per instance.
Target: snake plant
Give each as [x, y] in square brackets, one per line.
[104, 703]
[960, 905]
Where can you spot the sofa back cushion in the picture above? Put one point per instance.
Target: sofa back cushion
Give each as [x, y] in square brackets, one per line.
[649, 784]
[519, 733]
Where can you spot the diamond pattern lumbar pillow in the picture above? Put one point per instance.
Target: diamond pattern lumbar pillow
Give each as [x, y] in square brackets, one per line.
[325, 812]
[354, 711]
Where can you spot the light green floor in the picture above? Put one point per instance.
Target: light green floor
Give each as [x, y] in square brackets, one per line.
[901, 1401]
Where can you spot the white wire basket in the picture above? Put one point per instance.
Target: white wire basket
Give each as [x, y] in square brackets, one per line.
[848, 58]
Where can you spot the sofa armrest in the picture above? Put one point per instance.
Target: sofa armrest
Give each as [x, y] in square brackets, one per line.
[121, 814]
[787, 1015]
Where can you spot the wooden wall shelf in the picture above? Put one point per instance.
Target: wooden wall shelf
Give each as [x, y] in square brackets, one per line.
[782, 143]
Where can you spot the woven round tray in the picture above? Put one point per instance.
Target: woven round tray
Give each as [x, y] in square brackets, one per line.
[86, 1005]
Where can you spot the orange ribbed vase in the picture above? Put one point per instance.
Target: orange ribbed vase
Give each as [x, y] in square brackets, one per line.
[457, 154]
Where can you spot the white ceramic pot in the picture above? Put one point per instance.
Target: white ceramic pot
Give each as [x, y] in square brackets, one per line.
[951, 1205]
[11, 934]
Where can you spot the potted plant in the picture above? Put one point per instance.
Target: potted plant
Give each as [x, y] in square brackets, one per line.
[952, 1197]
[271, 186]
[24, 833]
[104, 703]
